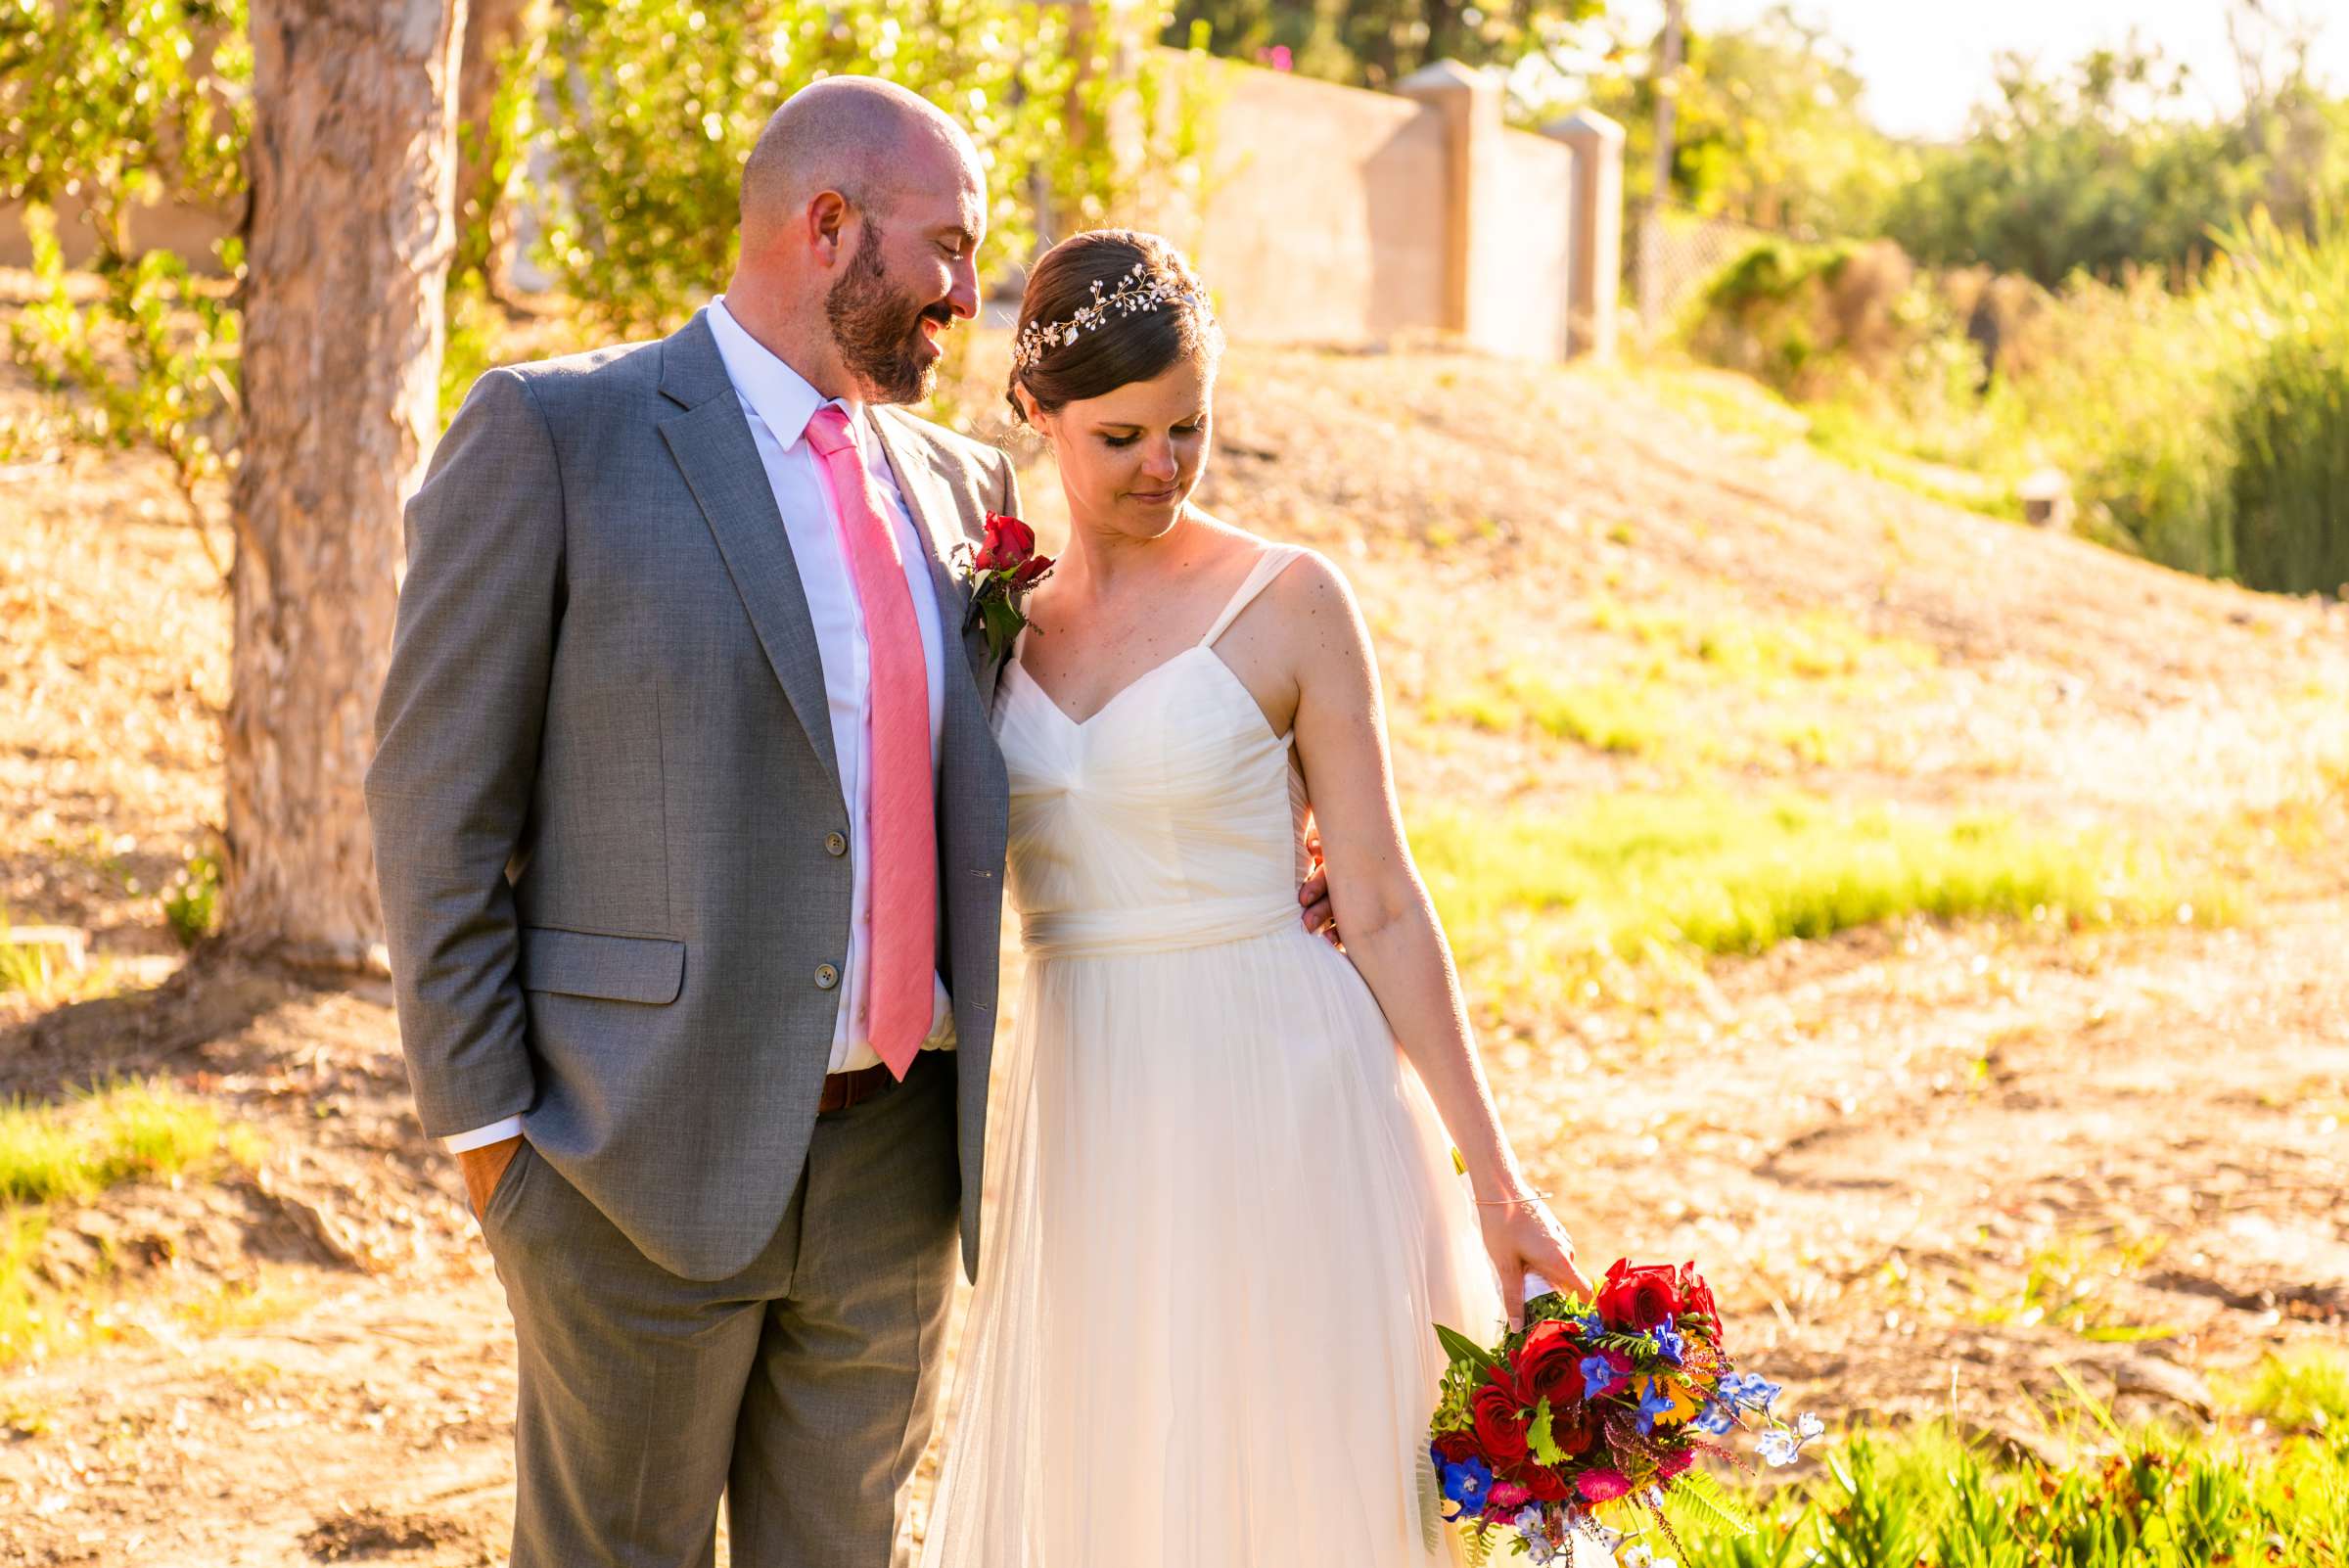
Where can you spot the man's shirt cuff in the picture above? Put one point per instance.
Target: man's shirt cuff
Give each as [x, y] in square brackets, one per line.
[482, 1137]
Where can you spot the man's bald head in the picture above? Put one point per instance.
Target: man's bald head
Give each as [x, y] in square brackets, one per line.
[862, 211]
[860, 136]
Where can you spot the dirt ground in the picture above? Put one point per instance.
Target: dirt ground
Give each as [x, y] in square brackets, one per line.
[1929, 1168]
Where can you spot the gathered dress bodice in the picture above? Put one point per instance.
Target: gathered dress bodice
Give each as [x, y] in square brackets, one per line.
[1173, 816]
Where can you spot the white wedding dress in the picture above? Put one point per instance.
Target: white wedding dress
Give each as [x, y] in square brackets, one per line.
[1226, 1216]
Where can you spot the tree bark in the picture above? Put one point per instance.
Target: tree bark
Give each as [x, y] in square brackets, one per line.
[484, 231]
[353, 174]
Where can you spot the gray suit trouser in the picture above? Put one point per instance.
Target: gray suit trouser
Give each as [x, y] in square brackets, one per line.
[803, 1388]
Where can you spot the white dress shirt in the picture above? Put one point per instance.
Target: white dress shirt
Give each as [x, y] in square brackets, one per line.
[778, 402]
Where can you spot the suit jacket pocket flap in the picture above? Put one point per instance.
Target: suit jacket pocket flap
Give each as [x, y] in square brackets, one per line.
[584, 963]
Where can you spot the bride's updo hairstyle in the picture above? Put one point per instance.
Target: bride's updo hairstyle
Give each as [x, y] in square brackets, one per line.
[1105, 308]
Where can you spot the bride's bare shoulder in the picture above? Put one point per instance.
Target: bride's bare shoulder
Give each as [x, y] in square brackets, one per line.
[1242, 544]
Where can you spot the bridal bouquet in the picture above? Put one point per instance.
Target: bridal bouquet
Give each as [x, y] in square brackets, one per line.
[1597, 1410]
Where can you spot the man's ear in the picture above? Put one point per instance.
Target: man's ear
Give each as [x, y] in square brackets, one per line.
[827, 224]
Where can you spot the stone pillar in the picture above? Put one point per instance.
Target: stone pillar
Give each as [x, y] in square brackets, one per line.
[1476, 295]
[1597, 231]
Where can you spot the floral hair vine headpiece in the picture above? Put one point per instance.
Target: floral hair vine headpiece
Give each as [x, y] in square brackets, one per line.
[1134, 295]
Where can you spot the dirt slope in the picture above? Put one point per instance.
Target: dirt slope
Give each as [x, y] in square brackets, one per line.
[1918, 1160]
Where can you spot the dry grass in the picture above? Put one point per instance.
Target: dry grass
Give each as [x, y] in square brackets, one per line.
[1868, 1137]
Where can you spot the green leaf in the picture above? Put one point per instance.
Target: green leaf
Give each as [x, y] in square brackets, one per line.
[1694, 1497]
[1460, 1348]
[1539, 1437]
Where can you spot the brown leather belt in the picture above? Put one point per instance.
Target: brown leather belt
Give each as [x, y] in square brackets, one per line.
[844, 1090]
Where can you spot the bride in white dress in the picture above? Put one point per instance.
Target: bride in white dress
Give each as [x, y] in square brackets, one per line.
[1227, 1213]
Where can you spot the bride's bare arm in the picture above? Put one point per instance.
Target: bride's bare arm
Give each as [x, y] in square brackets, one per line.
[1390, 924]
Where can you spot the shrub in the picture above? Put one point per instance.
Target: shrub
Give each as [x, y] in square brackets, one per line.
[2209, 431]
[651, 107]
[192, 904]
[112, 106]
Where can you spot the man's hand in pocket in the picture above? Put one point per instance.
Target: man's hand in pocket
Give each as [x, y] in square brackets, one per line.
[483, 1168]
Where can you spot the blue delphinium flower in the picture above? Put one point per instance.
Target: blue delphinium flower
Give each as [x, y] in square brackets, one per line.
[1591, 1324]
[1535, 1530]
[1598, 1376]
[1714, 1418]
[1668, 1341]
[1778, 1447]
[1466, 1482]
[1750, 1390]
[1657, 1401]
[1808, 1426]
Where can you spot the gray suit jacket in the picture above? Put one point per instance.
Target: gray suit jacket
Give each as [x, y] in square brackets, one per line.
[604, 791]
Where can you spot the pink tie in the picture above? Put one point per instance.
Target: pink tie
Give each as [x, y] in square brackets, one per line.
[900, 841]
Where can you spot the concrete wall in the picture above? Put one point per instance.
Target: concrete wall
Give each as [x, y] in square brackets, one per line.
[1531, 251]
[1324, 211]
[1340, 216]
[1332, 215]
[191, 231]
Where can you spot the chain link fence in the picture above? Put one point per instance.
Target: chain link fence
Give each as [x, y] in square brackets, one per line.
[1677, 252]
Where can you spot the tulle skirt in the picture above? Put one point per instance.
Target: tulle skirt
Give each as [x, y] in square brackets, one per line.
[1224, 1218]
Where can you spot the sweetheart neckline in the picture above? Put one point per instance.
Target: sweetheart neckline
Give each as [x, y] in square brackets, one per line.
[1081, 725]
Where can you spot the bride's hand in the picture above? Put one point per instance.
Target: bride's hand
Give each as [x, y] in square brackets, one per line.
[1523, 1237]
[1319, 918]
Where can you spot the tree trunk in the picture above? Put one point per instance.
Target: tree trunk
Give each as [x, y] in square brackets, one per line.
[353, 172]
[483, 229]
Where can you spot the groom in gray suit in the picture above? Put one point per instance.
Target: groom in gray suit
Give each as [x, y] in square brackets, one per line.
[629, 758]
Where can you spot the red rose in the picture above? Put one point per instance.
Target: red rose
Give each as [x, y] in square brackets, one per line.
[1455, 1446]
[1573, 1429]
[1639, 1298]
[1030, 570]
[1500, 1429]
[1009, 543]
[1695, 1295]
[1549, 1365]
[1546, 1485]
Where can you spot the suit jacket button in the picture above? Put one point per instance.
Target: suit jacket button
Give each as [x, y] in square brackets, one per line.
[835, 843]
[826, 977]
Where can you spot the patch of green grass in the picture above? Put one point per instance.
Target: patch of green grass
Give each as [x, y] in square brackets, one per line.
[1864, 439]
[1814, 742]
[2307, 1391]
[53, 1156]
[1608, 716]
[1634, 874]
[1756, 650]
[20, 1235]
[136, 1132]
[192, 904]
[2064, 1286]
[24, 966]
[2154, 1499]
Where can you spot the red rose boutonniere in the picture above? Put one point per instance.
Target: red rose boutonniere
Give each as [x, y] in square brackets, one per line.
[1000, 574]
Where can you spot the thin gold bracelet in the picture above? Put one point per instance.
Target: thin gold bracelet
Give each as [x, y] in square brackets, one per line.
[1511, 1203]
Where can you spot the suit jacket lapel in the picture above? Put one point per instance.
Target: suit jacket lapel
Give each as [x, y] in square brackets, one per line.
[934, 519]
[713, 445]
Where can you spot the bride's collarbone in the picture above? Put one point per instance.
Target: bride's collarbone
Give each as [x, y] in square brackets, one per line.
[1084, 661]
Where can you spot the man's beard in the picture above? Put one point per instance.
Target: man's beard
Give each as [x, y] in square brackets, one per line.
[879, 328]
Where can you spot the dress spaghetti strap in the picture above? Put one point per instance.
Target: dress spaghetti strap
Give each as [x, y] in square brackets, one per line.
[1269, 566]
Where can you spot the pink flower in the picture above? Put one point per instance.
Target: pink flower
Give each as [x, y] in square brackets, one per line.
[1675, 1461]
[1602, 1486]
[1508, 1496]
